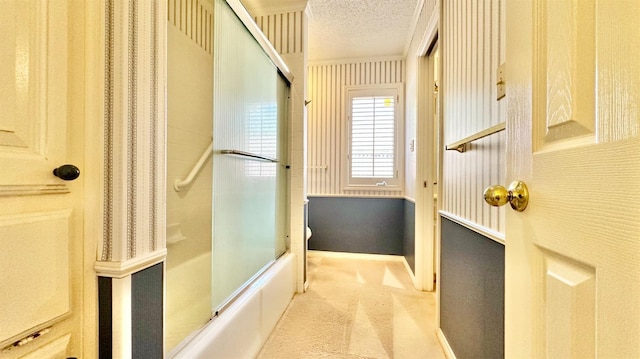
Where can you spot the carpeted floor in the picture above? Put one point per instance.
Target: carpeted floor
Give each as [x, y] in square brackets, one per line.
[356, 308]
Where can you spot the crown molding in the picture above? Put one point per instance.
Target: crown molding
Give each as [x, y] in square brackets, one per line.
[258, 8]
[355, 60]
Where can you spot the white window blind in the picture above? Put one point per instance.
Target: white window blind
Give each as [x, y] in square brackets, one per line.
[373, 137]
[261, 137]
[373, 140]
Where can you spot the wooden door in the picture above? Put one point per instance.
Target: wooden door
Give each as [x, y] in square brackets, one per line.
[41, 246]
[573, 127]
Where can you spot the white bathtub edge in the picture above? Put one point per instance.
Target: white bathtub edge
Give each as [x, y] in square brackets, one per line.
[243, 328]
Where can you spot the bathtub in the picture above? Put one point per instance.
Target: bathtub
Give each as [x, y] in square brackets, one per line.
[186, 313]
[242, 328]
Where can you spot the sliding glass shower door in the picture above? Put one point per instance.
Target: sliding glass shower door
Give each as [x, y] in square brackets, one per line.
[249, 155]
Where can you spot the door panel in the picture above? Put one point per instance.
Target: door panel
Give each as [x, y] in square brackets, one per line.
[573, 256]
[32, 93]
[41, 248]
[566, 68]
[31, 245]
[568, 307]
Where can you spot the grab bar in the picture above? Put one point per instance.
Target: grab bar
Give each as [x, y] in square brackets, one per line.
[461, 146]
[249, 155]
[178, 184]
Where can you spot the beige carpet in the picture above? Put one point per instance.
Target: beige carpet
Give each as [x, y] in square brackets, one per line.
[356, 308]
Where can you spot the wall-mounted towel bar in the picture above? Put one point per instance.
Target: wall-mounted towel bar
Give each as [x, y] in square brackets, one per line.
[178, 184]
[249, 156]
[461, 146]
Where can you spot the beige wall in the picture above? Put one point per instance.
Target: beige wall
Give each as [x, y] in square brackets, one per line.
[190, 111]
[189, 130]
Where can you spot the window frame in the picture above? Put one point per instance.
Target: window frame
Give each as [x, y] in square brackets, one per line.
[350, 183]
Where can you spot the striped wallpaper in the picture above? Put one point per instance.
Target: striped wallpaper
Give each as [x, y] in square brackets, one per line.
[473, 37]
[194, 18]
[326, 116]
[284, 31]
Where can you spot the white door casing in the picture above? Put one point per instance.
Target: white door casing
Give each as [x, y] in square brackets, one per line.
[42, 252]
[427, 157]
[573, 256]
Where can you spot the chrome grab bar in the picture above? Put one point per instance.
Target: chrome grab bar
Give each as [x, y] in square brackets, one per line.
[249, 155]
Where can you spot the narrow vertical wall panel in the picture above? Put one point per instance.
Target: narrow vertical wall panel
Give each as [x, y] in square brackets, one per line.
[486, 102]
[335, 125]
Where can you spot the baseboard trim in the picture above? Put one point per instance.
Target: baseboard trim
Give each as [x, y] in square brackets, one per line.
[448, 352]
[348, 255]
[409, 271]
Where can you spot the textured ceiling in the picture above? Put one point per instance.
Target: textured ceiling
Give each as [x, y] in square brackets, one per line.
[341, 29]
[345, 29]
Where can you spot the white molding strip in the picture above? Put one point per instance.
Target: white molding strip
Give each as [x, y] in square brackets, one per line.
[364, 256]
[430, 32]
[489, 233]
[257, 33]
[33, 189]
[267, 8]
[346, 195]
[128, 267]
[355, 60]
[448, 352]
[414, 24]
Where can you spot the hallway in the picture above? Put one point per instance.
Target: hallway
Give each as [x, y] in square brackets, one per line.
[356, 308]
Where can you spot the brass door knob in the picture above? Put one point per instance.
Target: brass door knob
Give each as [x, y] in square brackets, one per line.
[517, 195]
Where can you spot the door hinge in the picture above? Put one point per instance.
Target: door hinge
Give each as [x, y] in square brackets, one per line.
[424, 184]
[435, 278]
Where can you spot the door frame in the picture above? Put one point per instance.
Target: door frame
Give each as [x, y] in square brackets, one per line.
[93, 167]
[425, 241]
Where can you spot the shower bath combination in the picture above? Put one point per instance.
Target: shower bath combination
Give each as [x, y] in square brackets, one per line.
[227, 212]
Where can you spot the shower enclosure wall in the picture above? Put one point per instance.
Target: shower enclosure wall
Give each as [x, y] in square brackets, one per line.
[227, 156]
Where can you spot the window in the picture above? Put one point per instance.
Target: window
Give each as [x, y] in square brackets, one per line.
[261, 137]
[373, 137]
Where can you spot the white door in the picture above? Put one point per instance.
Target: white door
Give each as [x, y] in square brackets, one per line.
[41, 247]
[573, 127]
